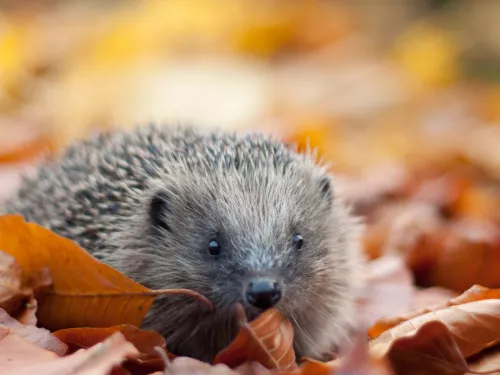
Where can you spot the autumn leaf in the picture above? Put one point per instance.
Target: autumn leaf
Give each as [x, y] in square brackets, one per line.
[20, 357]
[12, 295]
[430, 349]
[16, 299]
[475, 293]
[474, 325]
[186, 365]
[83, 338]
[146, 342]
[469, 254]
[85, 292]
[267, 340]
[38, 336]
[357, 360]
[487, 361]
[388, 289]
[360, 361]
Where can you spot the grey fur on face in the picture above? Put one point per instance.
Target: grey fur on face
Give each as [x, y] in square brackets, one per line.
[212, 212]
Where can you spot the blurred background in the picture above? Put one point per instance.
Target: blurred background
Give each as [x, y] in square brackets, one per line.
[402, 97]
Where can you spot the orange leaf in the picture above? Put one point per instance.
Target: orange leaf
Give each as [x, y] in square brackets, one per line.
[85, 292]
[474, 325]
[12, 294]
[267, 340]
[20, 357]
[431, 349]
[38, 336]
[144, 341]
[27, 151]
[470, 255]
[487, 361]
[475, 293]
[357, 361]
[83, 338]
[17, 299]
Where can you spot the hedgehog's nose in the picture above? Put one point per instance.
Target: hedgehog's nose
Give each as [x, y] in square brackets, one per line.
[263, 293]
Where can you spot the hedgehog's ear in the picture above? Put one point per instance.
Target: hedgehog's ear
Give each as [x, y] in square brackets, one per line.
[158, 210]
[325, 187]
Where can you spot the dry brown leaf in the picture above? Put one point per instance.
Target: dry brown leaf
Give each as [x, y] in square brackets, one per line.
[39, 283]
[431, 349]
[454, 254]
[475, 293]
[186, 365]
[267, 340]
[474, 326]
[433, 296]
[359, 361]
[16, 351]
[85, 292]
[388, 289]
[18, 299]
[83, 338]
[487, 361]
[12, 295]
[148, 359]
[20, 357]
[38, 336]
[469, 254]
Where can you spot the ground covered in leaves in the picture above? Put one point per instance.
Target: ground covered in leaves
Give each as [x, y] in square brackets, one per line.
[402, 99]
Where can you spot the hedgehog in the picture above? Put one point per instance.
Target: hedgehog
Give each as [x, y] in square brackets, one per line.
[238, 218]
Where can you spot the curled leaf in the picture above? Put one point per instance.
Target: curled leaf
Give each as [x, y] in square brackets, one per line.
[474, 326]
[430, 349]
[20, 357]
[475, 293]
[267, 340]
[38, 336]
[16, 297]
[148, 343]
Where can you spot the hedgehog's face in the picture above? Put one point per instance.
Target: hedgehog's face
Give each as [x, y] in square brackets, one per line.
[272, 241]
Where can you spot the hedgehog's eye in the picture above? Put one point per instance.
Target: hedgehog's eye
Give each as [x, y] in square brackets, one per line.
[298, 240]
[214, 247]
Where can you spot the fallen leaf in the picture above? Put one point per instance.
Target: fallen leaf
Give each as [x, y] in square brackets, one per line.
[475, 293]
[414, 231]
[487, 361]
[39, 283]
[146, 342]
[267, 340]
[433, 296]
[357, 360]
[38, 336]
[469, 254]
[18, 299]
[186, 365]
[388, 289]
[474, 325]
[85, 292]
[430, 349]
[12, 294]
[20, 357]
[429, 54]
[360, 361]
[16, 351]
[83, 338]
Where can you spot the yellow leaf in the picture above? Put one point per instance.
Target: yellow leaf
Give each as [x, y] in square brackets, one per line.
[429, 55]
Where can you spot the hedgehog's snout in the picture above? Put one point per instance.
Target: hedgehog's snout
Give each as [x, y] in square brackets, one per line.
[263, 293]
